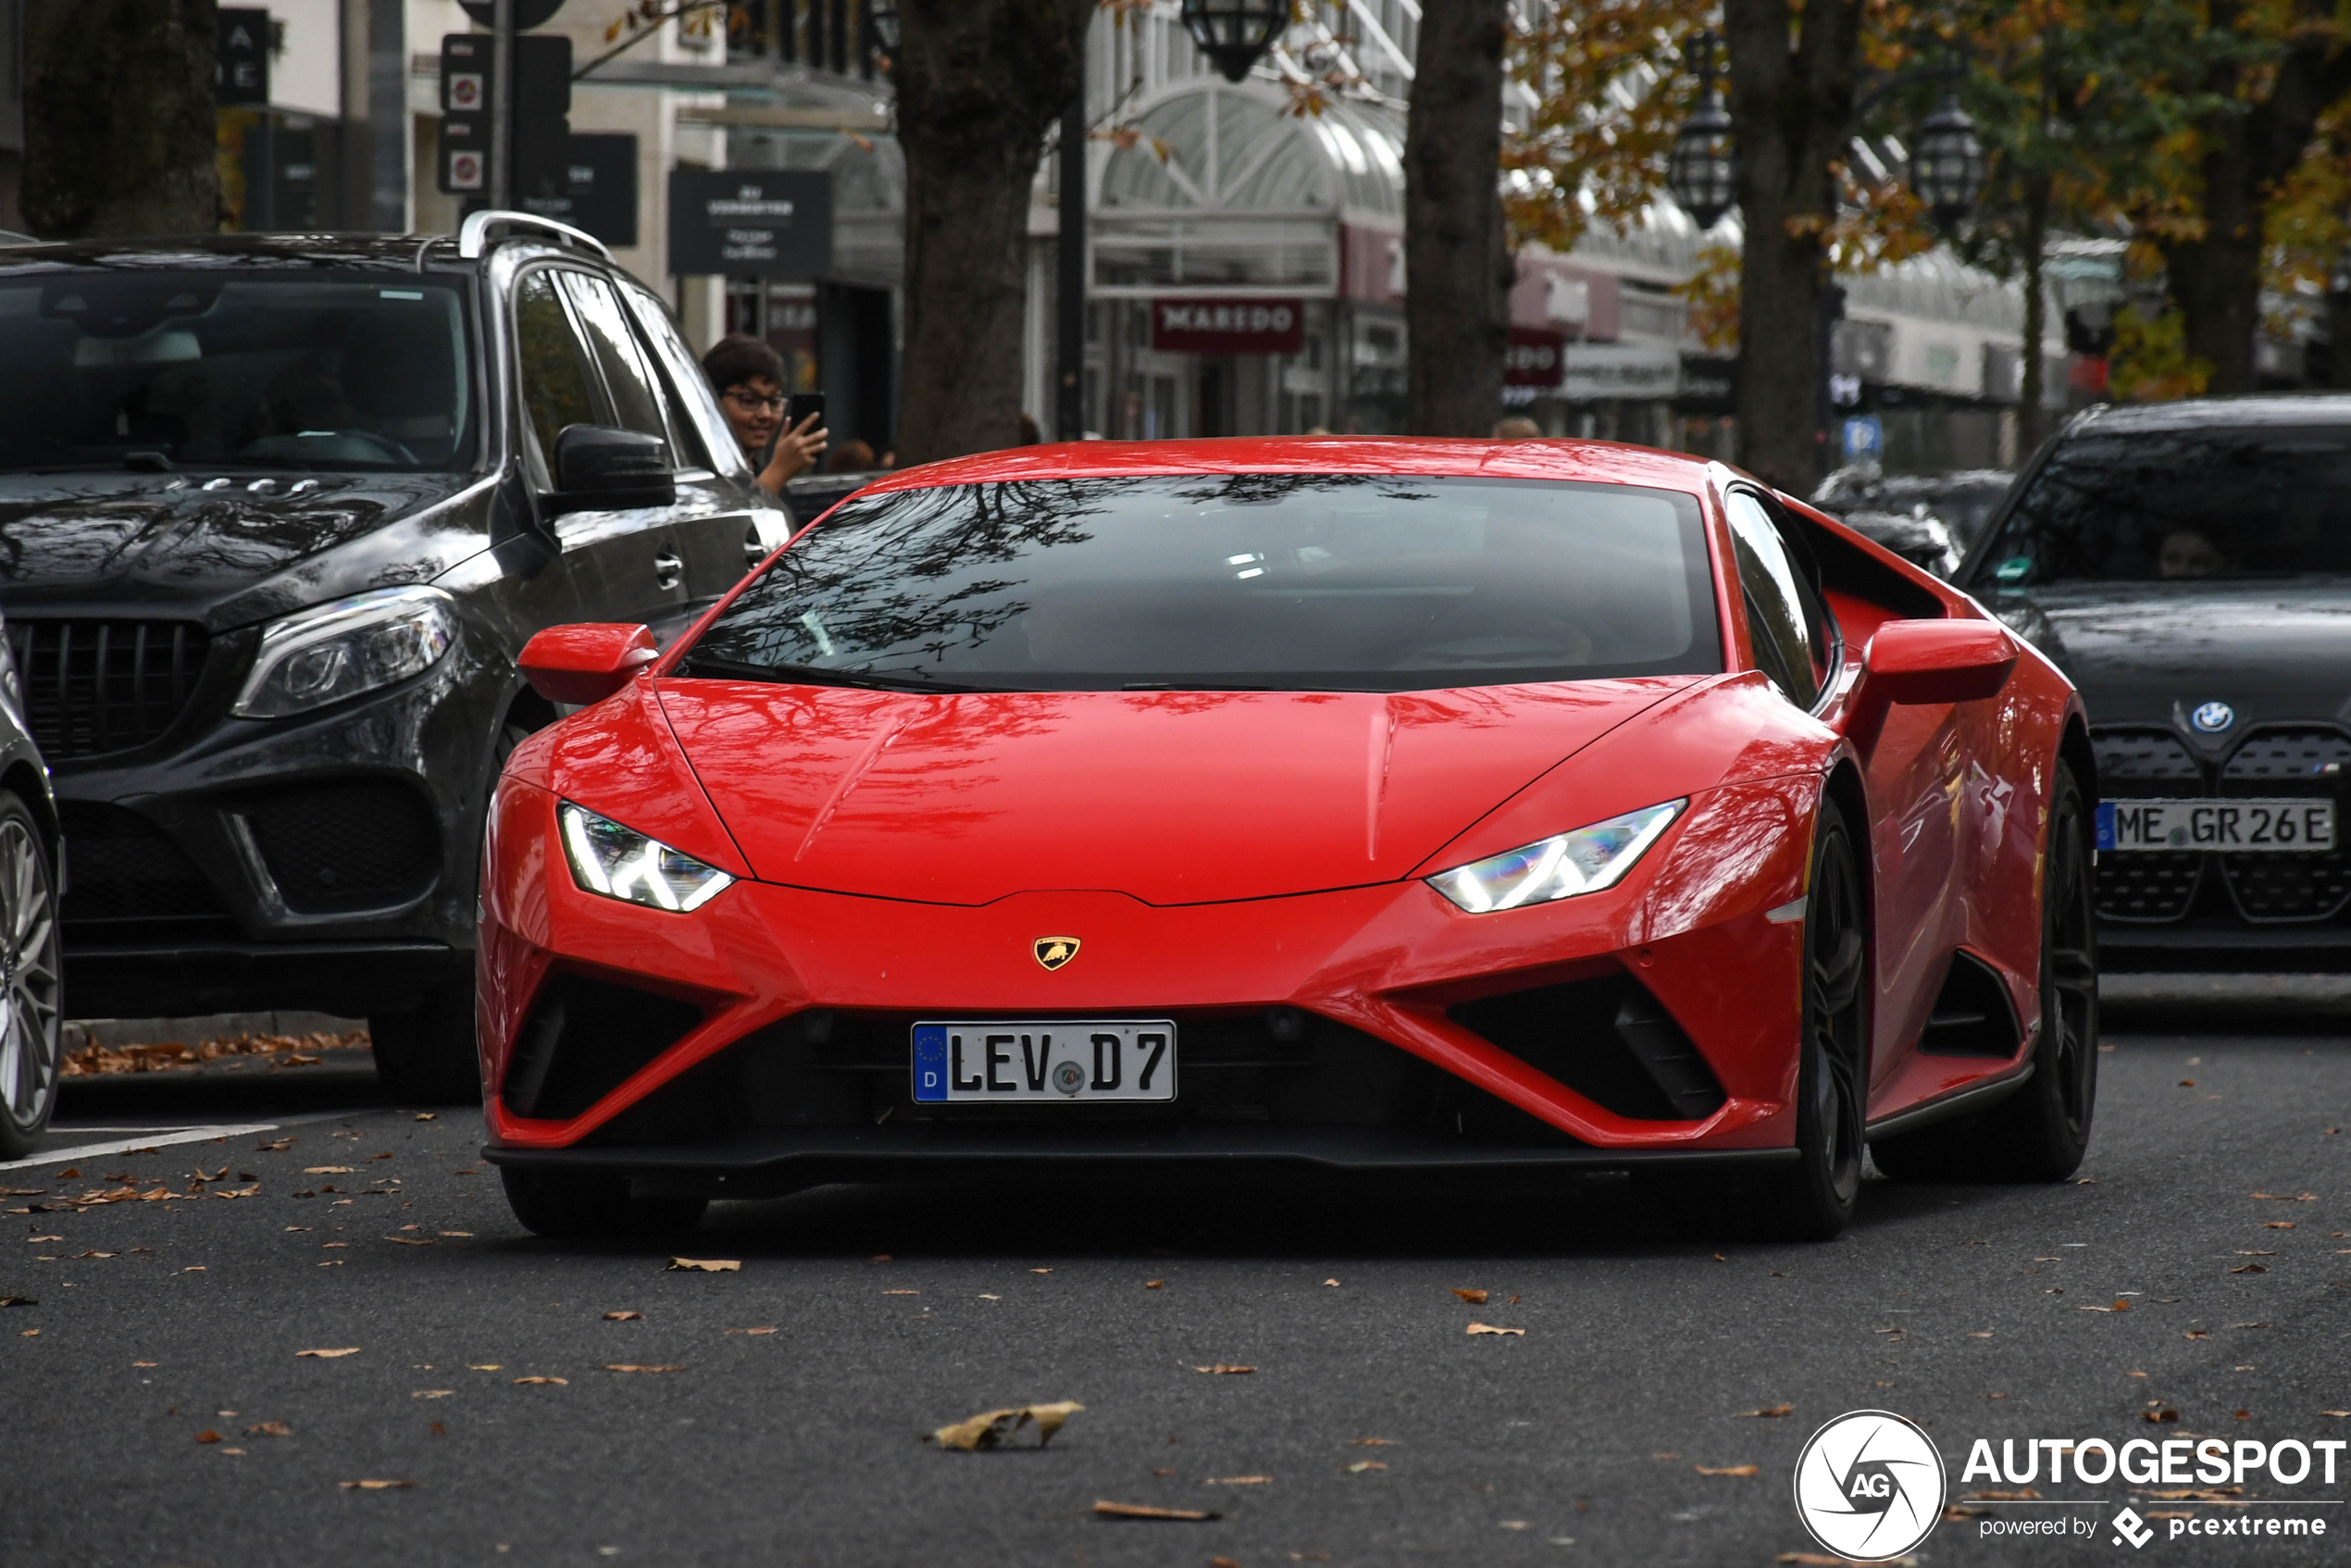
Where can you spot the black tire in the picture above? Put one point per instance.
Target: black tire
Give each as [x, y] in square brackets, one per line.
[592, 1206]
[31, 1026]
[2040, 1132]
[1814, 1198]
[427, 1055]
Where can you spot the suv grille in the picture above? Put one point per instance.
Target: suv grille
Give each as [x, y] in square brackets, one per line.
[364, 844]
[93, 687]
[2147, 885]
[2289, 762]
[127, 877]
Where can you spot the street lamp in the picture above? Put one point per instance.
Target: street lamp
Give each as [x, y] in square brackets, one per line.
[1702, 170]
[1948, 167]
[1235, 33]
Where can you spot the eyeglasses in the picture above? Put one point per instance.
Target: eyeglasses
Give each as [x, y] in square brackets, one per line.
[753, 400]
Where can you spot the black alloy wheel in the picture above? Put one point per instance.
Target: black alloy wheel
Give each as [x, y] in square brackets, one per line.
[593, 1206]
[2040, 1132]
[30, 1024]
[1814, 1198]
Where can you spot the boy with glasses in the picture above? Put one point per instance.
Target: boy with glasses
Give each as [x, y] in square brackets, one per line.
[749, 378]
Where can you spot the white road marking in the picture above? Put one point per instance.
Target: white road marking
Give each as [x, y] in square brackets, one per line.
[156, 1138]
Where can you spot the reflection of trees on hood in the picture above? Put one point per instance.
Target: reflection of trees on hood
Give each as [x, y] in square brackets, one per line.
[898, 565]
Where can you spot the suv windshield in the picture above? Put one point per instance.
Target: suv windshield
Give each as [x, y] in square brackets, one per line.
[296, 371]
[2123, 507]
[1282, 582]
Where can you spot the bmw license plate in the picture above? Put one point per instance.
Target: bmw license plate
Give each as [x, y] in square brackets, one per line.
[999, 1060]
[2290, 826]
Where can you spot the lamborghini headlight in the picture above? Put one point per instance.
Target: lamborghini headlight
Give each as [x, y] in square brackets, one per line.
[1557, 867]
[340, 650]
[621, 863]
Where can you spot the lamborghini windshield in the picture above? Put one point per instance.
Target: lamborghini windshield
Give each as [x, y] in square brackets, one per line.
[1274, 581]
[295, 370]
[2145, 506]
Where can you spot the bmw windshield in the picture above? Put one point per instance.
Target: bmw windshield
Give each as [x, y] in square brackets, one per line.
[297, 370]
[1243, 581]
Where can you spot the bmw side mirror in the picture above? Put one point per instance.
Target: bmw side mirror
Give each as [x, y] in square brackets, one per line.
[598, 469]
[586, 663]
[1922, 662]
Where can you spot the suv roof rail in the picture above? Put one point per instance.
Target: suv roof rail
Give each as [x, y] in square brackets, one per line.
[476, 235]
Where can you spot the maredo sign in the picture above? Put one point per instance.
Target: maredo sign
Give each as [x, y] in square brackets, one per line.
[1229, 325]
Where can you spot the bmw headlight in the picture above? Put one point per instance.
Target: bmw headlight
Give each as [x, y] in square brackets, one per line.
[340, 650]
[621, 863]
[1557, 867]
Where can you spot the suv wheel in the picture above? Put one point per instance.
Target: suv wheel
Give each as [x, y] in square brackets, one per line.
[30, 1022]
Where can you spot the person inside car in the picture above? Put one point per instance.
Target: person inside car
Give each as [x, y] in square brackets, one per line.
[748, 376]
[2188, 553]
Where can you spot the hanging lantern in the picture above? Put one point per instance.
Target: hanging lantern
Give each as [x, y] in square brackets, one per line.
[1946, 164]
[1702, 170]
[1235, 34]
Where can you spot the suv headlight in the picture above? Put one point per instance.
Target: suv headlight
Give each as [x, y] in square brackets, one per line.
[621, 863]
[1557, 867]
[340, 650]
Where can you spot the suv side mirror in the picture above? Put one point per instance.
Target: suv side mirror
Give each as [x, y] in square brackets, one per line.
[1939, 661]
[586, 663]
[602, 469]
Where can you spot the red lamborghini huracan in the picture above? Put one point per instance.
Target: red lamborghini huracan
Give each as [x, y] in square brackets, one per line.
[1395, 804]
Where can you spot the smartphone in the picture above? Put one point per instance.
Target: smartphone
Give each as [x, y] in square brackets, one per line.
[800, 406]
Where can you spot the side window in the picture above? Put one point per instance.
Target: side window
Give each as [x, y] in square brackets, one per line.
[689, 388]
[1775, 604]
[557, 385]
[636, 396]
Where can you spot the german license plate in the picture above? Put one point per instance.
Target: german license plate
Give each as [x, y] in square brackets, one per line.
[999, 1061]
[2291, 827]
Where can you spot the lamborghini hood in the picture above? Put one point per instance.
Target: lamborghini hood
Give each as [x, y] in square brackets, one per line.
[1170, 797]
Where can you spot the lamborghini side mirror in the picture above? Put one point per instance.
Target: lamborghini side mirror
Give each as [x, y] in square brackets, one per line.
[1939, 661]
[586, 663]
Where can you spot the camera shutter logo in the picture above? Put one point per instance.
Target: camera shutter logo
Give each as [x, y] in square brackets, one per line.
[1870, 1485]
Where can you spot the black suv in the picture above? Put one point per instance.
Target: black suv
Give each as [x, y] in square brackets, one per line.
[2189, 566]
[277, 512]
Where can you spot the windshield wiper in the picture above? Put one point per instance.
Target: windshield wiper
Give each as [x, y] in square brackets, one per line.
[813, 675]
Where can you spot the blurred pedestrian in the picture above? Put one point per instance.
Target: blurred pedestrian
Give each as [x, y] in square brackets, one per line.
[853, 456]
[748, 376]
[1518, 426]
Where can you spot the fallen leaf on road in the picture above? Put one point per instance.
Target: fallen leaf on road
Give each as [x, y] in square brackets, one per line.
[1330, 1282]
[1728, 1470]
[2187, 1083]
[268, 1429]
[751, 1331]
[1240, 1480]
[902, 1292]
[707, 1266]
[22, 1192]
[1979, 1334]
[986, 1297]
[427, 1115]
[1489, 1328]
[371, 1486]
[454, 1232]
[2282, 1198]
[1474, 1298]
[80, 1255]
[414, 1241]
[622, 1317]
[2256, 1252]
[277, 1148]
[2277, 1225]
[1666, 1455]
[559, 1382]
[2245, 1415]
[68, 1173]
[2160, 1416]
[485, 1367]
[208, 1436]
[1141, 1510]
[991, 1428]
[2248, 1325]
[1154, 1285]
[19, 1301]
[2337, 1414]
[1995, 1396]
[1768, 1412]
[1225, 1368]
[29, 1334]
[2197, 1334]
[1363, 1464]
[1040, 1271]
[328, 1170]
[1371, 1442]
[616, 1366]
[432, 1393]
[142, 1363]
[2248, 1268]
[329, 1355]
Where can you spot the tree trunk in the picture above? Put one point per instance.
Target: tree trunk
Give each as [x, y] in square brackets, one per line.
[2035, 240]
[2215, 278]
[119, 132]
[1457, 265]
[1792, 102]
[978, 82]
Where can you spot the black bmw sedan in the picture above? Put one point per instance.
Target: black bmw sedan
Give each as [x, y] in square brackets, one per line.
[2189, 566]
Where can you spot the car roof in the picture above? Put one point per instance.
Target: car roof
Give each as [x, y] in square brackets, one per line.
[198, 252]
[2253, 410]
[1600, 462]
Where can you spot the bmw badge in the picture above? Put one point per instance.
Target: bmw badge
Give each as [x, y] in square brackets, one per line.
[2210, 719]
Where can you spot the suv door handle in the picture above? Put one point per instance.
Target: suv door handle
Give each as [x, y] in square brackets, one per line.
[669, 570]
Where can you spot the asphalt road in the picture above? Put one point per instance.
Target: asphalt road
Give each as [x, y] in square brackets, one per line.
[785, 1428]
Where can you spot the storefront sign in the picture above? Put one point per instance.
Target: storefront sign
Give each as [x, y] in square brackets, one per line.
[1709, 386]
[1227, 326]
[600, 187]
[1535, 358]
[1596, 372]
[241, 56]
[751, 223]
